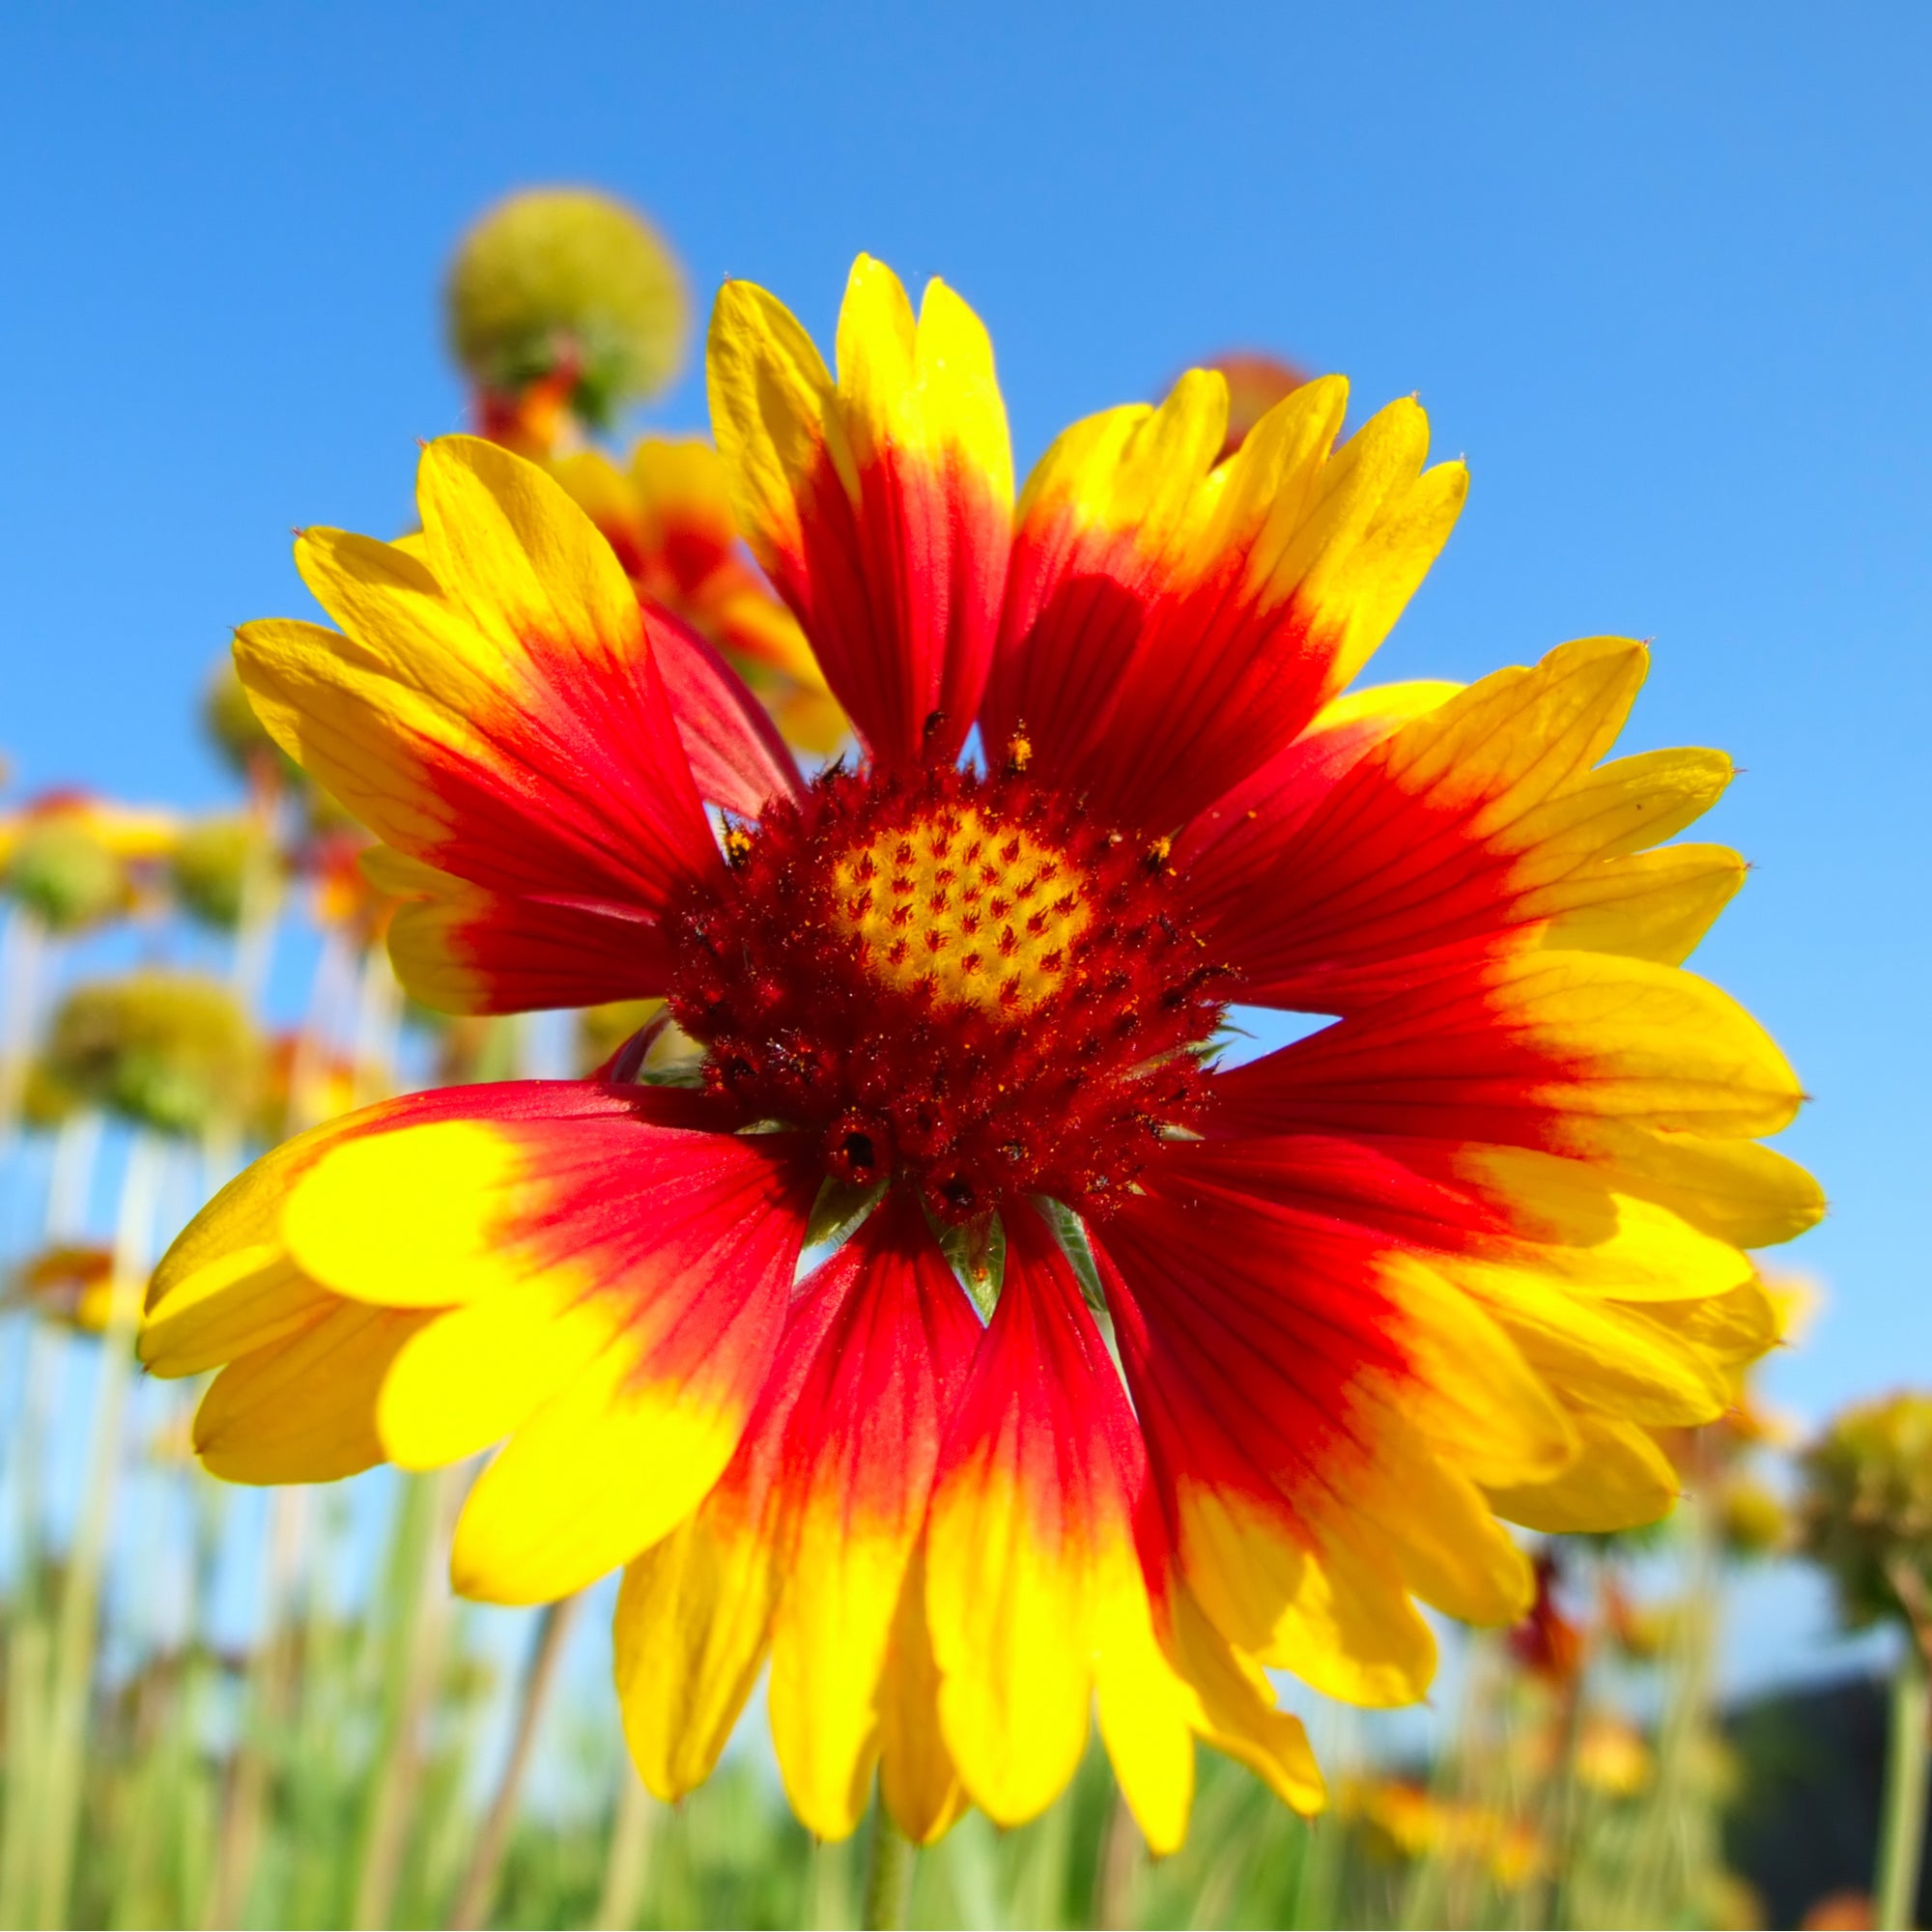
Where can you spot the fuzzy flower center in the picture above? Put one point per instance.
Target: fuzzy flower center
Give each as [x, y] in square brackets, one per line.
[960, 981]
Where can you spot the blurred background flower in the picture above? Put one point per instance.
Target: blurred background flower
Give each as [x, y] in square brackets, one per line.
[566, 307]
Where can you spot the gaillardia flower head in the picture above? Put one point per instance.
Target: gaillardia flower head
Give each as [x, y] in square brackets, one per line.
[1258, 1357]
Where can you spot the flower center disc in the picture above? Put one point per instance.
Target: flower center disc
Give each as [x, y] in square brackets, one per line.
[960, 908]
[956, 978]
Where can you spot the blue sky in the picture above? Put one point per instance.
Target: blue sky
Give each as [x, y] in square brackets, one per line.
[1661, 273]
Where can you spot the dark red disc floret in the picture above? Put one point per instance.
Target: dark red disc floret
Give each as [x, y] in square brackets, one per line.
[956, 978]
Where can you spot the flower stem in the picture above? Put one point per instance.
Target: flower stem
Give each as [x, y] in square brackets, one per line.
[479, 1881]
[628, 1859]
[889, 1862]
[75, 1631]
[24, 1744]
[23, 948]
[412, 1659]
[270, 1690]
[1120, 1868]
[1902, 1834]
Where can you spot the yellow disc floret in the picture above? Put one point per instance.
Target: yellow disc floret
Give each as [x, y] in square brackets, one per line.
[976, 912]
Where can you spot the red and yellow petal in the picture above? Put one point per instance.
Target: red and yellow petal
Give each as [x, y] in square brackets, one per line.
[696, 567]
[694, 1610]
[667, 515]
[1293, 784]
[1233, 1704]
[228, 1286]
[1036, 1589]
[459, 949]
[1170, 623]
[862, 1446]
[1622, 1310]
[1556, 1051]
[492, 705]
[1570, 1220]
[738, 759]
[1031, 1541]
[590, 1270]
[1346, 1350]
[919, 1783]
[1320, 1410]
[879, 504]
[812, 1532]
[1483, 817]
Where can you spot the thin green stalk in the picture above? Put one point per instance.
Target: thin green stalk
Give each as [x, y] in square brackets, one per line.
[377, 1018]
[23, 948]
[76, 1145]
[75, 1631]
[259, 917]
[1040, 1887]
[411, 1662]
[161, 1833]
[29, 1651]
[331, 1688]
[77, 1150]
[478, 1889]
[1901, 1843]
[159, 1768]
[69, 1179]
[1120, 1867]
[270, 1689]
[1318, 1878]
[1460, 1766]
[628, 1859]
[1548, 1902]
[329, 991]
[827, 1886]
[28, 1636]
[888, 1867]
[1676, 1849]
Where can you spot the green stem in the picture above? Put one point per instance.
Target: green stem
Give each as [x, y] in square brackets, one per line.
[1119, 1869]
[478, 1889]
[24, 1741]
[260, 912]
[828, 1888]
[1562, 1837]
[23, 948]
[22, 1767]
[1677, 1848]
[270, 1689]
[628, 1859]
[379, 1010]
[888, 1863]
[1901, 1841]
[410, 1661]
[75, 1632]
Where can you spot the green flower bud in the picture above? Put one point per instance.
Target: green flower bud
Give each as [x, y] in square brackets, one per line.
[45, 1099]
[1868, 1509]
[62, 871]
[172, 1051]
[214, 864]
[1751, 1520]
[567, 279]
